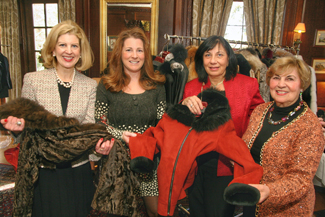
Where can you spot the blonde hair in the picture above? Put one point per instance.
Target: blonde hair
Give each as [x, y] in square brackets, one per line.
[117, 79]
[285, 64]
[70, 27]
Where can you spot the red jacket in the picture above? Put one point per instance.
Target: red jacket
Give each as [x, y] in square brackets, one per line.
[180, 137]
[243, 96]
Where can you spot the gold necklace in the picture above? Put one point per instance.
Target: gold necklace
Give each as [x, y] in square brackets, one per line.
[215, 86]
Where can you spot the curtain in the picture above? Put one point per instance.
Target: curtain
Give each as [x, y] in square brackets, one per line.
[210, 17]
[264, 20]
[67, 10]
[9, 21]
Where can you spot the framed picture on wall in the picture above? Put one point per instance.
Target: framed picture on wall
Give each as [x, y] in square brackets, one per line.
[319, 37]
[111, 42]
[319, 65]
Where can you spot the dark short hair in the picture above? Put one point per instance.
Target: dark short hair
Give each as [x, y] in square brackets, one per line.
[209, 44]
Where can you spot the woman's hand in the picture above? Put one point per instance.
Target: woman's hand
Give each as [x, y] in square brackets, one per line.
[264, 191]
[322, 122]
[194, 104]
[13, 124]
[126, 136]
[104, 147]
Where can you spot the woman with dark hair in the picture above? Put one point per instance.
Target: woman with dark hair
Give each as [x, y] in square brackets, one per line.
[216, 65]
[131, 98]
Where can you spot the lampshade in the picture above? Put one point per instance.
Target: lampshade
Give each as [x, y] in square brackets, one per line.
[300, 28]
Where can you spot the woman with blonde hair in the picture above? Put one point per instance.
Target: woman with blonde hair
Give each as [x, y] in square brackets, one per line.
[285, 137]
[64, 189]
[131, 98]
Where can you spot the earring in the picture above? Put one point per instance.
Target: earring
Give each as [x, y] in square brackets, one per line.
[300, 95]
[80, 57]
[53, 55]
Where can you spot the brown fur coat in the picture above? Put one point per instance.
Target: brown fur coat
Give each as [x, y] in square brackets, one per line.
[51, 139]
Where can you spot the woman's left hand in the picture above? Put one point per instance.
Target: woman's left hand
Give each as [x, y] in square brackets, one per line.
[264, 191]
[104, 147]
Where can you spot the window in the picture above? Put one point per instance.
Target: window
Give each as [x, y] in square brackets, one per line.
[236, 27]
[45, 16]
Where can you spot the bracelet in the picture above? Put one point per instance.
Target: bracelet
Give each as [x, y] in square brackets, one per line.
[97, 154]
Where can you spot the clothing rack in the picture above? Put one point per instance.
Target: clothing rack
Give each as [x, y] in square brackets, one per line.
[180, 38]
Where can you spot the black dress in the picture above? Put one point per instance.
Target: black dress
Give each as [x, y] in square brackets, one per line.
[65, 191]
[134, 113]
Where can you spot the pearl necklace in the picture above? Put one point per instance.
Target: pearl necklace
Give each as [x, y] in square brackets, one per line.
[65, 84]
[285, 118]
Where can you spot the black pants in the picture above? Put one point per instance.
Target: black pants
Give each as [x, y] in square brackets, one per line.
[206, 193]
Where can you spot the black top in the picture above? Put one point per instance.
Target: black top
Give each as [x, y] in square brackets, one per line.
[268, 129]
[64, 95]
[130, 112]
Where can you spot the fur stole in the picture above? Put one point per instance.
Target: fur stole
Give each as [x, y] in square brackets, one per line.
[189, 61]
[62, 139]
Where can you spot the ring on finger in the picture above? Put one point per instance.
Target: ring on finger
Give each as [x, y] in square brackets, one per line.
[191, 105]
[19, 123]
[101, 149]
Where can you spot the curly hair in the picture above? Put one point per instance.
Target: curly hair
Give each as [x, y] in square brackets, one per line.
[70, 27]
[287, 64]
[117, 79]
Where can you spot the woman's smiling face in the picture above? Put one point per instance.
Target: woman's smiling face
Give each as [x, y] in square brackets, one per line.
[285, 88]
[67, 51]
[133, 55]
[215, 61]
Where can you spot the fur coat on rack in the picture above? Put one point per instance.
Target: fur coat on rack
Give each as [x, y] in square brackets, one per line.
[48, 140]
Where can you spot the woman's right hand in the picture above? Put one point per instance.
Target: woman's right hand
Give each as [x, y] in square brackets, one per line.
[194, 104]
[264, 191]
[126, 136]
[13, 124]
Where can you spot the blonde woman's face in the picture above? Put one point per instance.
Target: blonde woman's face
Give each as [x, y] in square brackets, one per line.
[67, 51]
[285, 88]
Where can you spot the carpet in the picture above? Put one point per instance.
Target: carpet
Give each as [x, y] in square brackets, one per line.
[7, 174]
[7, 179]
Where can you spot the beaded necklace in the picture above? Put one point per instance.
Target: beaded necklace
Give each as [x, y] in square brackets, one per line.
[65, 84]
[285, 118]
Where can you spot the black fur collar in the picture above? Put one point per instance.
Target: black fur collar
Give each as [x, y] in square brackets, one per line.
[216, 114]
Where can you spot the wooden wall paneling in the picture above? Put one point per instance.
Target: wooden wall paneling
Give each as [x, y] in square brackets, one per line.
[22, 38]
[165, 21]
[94, 35]
[87, 16]
[314, 19]
[175, 18]
[320, 90]
[27, 35]
[293, 15]
[321, 95]
[183, 19]
[116, 16]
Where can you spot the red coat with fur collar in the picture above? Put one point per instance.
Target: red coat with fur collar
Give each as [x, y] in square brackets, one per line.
[180, 137]
[243, 95]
